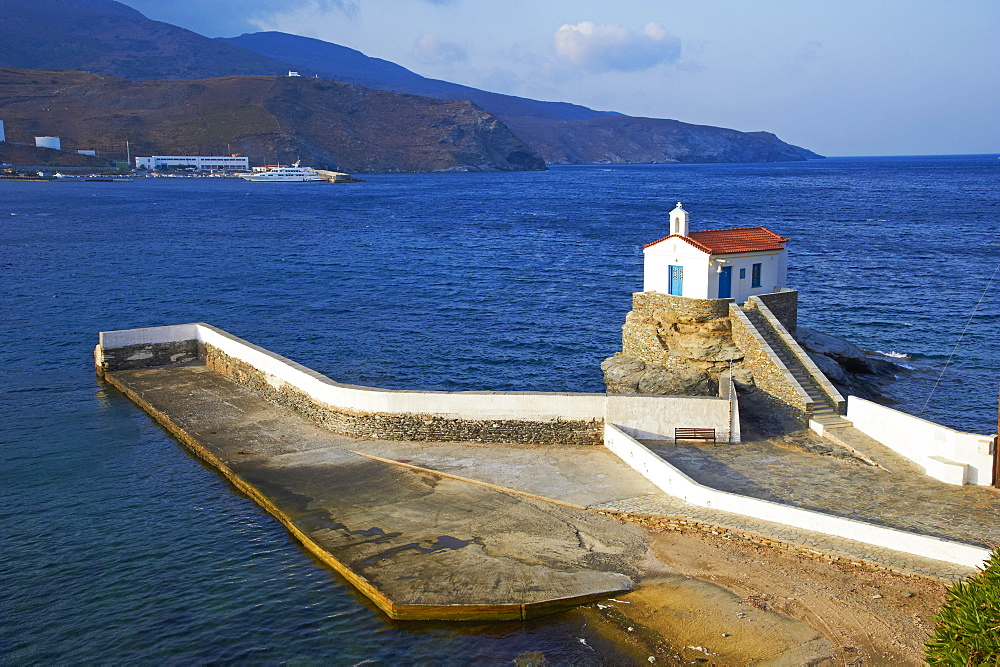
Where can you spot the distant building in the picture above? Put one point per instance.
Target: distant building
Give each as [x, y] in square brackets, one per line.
[199, 162]
[3, 137]
[715, 263]
[48, 142]
[291, 73]
[87, 152]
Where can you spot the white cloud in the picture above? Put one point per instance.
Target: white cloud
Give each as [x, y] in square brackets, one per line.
[602, 48]
[309, 18]
[429, 49]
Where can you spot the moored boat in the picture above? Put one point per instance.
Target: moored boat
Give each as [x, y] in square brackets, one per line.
[280, 173]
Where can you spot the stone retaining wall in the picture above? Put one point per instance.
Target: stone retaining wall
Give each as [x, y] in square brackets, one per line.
[386, 426]
[698, 310]
[792, 347]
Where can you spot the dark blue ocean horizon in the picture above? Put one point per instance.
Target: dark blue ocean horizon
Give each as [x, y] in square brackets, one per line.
[118, 546]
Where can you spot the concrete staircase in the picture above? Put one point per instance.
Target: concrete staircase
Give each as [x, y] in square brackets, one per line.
[824, 412]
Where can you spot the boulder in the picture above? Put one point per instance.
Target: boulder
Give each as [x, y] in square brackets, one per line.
[831, 369]
[847, 366]
[622, 374]
[844, 352]
[678, 381]
[626, 375]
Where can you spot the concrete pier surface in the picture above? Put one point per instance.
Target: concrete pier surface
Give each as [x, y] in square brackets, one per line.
[526, 518]
[894, 493]
[420, 544]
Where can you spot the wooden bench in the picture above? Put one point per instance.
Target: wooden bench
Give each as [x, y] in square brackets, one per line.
[694, 434]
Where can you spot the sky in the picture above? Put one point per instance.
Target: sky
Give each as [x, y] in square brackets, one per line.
[844, 77]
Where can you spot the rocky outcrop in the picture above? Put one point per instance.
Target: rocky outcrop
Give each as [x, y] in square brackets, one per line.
[672, 345]
[681, 346]
[627, 375]
[849, 368]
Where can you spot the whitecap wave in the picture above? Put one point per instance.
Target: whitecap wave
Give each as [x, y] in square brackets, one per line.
[893, 354]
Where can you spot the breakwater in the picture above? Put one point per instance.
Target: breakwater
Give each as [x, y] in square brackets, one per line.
[416, 543]
[158, 367]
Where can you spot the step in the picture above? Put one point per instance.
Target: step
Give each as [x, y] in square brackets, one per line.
[823, 424]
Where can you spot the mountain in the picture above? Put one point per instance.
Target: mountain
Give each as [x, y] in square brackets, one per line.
[107, 37]
[314, 56]
[561, 133]
[328, 124]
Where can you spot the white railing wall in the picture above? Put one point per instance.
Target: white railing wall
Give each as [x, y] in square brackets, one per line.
[647, 416]
[946, 454]
[674, 482]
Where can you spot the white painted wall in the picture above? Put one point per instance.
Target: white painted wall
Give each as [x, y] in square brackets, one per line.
[773, 274]
[656, 417]
[149, 335]
[946, 454]
[200, 162]
[652, 417]
[674, 482]
[656, 267]
[701, 275]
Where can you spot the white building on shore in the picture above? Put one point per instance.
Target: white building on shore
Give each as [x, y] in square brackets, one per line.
[715, 264]
[54, 143]
[198, 162]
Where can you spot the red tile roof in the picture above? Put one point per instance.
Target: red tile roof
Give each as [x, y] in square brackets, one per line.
[729, 241]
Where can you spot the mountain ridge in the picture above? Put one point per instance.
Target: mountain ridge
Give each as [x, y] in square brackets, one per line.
[109, 38]
[315, 56]
[560, 132]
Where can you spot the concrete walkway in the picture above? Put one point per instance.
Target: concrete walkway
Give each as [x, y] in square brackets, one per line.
[894, 493]
[419, 544]
[592, 477]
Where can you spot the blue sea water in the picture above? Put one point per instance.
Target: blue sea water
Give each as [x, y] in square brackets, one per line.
[118, 546]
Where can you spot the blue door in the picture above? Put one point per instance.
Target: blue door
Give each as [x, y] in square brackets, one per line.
[726, 283]
[676, 286]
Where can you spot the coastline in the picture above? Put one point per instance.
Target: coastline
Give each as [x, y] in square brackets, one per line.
[730, 601]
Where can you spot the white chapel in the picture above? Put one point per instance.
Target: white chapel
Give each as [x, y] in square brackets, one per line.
[715, 264]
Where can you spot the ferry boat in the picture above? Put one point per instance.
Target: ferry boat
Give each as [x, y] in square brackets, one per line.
[282, 173]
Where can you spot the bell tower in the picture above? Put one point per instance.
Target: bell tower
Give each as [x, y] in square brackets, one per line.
[679, 221]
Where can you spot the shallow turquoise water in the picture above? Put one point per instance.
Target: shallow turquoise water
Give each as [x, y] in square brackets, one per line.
[118, 546]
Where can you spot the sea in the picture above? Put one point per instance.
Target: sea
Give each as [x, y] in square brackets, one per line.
[118, 546]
